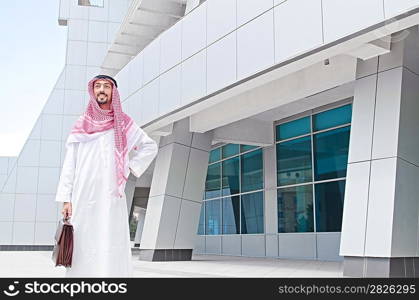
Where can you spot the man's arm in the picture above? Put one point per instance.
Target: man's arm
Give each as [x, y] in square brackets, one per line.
[143, 153]
[65, 185]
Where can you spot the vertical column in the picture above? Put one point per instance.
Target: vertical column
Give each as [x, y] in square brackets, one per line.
[271, 209]
[380, 218]
[140, 225]
[174, 204]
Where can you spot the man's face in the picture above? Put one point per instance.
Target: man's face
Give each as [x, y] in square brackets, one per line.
[103, 91]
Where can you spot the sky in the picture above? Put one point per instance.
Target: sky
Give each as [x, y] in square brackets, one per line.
[32, 55]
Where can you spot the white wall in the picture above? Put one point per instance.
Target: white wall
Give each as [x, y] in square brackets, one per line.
[222, 41]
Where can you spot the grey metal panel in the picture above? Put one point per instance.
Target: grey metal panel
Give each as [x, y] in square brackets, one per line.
[271, 244]
[213, 244]
[297, 245]
[328, 244]
[231, 244]
[199, 244]
[253, 245]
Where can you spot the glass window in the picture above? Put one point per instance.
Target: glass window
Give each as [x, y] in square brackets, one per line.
[332, 118]
[244, 148]
[230, 150]
[329, 205]
[252, 213]
[294, 161]
[98, 3]
[295, 209]
[231, 215]
[134, 219]
[201, 225]
[252, 171]
[293, 128]
[215, 155]
[331, 153]
[213, 181]
[230, 176]
[310, 205]
[213, 216]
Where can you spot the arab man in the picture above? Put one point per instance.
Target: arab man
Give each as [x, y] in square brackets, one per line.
[104, 146]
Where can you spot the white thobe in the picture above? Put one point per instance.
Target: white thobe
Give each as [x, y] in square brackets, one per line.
[102, 246]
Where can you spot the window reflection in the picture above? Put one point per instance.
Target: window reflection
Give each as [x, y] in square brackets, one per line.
[215, 155]
[295, 209]
[230, 173]
[252, 171]
[331, 153]
[333, 117]
[293, 129]
[329, 205]
[294, 161]
[231, 215]
[229, 150]
[244, 148]
[98, 3]
[322, 154]
[252, 213]
[230, 176]
[213, 181]
[213, 216]
[201, 224]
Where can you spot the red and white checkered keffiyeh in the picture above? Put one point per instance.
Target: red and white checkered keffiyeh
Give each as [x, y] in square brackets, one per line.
[96, 120]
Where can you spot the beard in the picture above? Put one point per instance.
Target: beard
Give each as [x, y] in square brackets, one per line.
[101, 100]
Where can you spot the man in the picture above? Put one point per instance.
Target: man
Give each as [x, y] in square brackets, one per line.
[104, 145]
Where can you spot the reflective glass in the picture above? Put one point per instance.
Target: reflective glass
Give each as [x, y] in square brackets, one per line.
[231, 215]
[332, 118]
[331, 153]
[329, 205]
[201, 225]
[215, 155]
[229, 150]
[244, 148]
[213, 216]
[295, 209]
[293, 128]
[98, 3]
[252, 171]
[230, 176]
[252, 213]
[294, 161]
[213, 181]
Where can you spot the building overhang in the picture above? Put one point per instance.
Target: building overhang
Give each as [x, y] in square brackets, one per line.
[144, 21]
[363, 44]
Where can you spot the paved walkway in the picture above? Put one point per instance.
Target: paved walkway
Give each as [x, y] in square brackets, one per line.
[39, 264]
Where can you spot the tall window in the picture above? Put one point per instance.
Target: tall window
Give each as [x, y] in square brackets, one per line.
[312, 156]
[96, 3]
[233, 198]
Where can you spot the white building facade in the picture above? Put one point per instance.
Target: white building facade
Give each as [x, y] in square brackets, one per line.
[286, 129]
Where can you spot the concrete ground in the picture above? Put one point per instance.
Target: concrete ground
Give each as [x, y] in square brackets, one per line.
[39, 264]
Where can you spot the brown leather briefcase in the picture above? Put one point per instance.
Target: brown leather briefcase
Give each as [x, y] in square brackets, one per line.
[62, 253]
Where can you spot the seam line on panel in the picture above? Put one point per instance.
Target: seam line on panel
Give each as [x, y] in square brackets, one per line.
[283, 63]
[181, 199]
[322, 17]
[369, 174]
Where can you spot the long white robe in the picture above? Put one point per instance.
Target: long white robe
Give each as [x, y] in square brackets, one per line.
[102, 246]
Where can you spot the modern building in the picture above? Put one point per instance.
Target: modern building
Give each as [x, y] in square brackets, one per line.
[286, 129]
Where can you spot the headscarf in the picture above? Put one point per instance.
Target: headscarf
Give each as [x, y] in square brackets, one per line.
[96, 120]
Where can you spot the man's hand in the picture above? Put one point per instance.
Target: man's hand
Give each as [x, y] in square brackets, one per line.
[67, 210]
